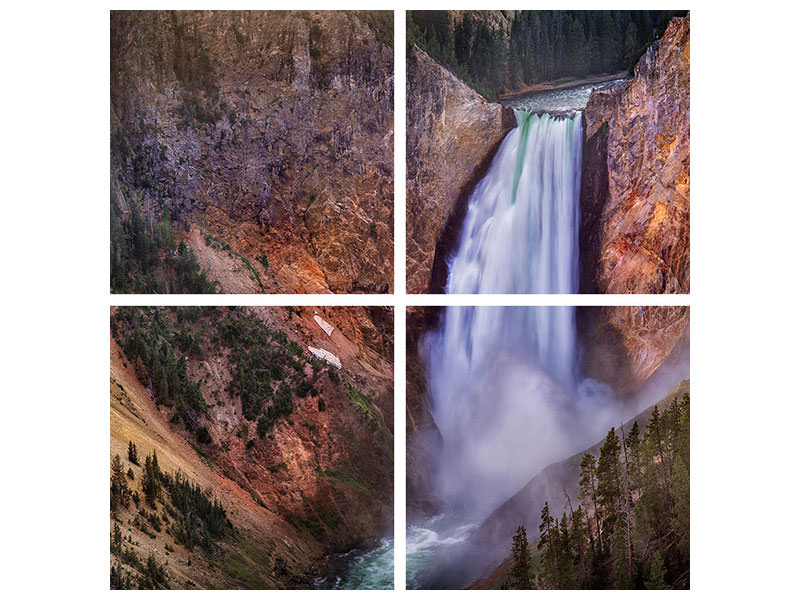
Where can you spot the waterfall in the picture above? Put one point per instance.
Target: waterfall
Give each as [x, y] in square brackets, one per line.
[506, 392]
[520, 234]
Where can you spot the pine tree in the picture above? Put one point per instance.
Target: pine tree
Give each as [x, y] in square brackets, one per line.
[566, 559]
[610, 495]
[608, 478]
[166, 236]
[117, 539]
[548, 546]
[119, 487]
[133, 455]
[656, 439]
[630, 46]
[588, 487]
[626, 509]
[609, 45]
[679, 490]
[633, 445]
[151, 485]
[578, 540]
[462, 39]
[657, 574]
[521, 556]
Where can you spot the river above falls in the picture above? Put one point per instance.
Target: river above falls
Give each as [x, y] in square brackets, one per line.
[563, 101]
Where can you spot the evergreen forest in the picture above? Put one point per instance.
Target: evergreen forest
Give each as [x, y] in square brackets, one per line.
[538, 46]
[629, 529]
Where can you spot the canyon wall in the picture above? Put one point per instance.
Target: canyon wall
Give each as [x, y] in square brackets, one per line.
[452, 133]
[272, 131]
[634, 216]
[635, 203]
[635, 189]
[624, 346]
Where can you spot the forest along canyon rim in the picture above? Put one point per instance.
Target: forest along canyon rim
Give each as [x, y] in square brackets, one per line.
[634, 193]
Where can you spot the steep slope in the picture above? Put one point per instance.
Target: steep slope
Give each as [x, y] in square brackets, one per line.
[265, 552]
[297, 453]
[634, 235]
[270, 132]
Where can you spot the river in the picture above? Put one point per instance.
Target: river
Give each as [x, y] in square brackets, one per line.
[361, 570]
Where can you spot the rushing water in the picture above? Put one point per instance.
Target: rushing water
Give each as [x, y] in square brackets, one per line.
[432, 551]
[561, 101]
[507, 400]
[520, 234]
[507, 395]
[371, 570]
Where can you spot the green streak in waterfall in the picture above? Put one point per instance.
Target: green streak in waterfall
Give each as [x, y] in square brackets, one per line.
[524, 118]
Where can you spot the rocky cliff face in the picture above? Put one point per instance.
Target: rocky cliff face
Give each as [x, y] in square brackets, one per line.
[335, 462]
[452, 133]
[423, 439]
[272, 131]
[634, 228]
[635, 188]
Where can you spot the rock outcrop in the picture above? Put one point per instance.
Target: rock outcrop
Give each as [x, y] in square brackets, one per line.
[423, 439]
[270, 130]
[452, 133]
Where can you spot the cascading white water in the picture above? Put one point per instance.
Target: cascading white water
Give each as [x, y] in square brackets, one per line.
[507, 397]
[520, 234]
[507, 400]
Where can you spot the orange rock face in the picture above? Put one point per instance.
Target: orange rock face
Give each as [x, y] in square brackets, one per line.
[635, 192]
[623, 346]
[331, 461]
